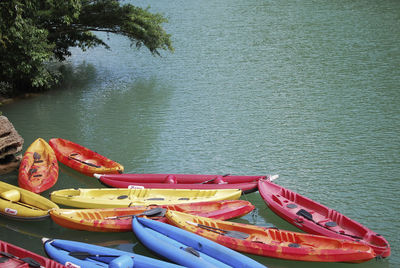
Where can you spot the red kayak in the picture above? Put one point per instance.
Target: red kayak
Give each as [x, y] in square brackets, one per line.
[313, 217]
[12, 256]
[83, 159]
[247, 184]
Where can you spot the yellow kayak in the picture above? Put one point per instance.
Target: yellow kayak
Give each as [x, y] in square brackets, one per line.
[123, 197]
[19, 203]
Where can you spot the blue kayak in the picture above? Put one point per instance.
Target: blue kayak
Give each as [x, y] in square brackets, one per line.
[186, 248]
[78, 254]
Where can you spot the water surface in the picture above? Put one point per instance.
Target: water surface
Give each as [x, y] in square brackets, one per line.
[305, 89]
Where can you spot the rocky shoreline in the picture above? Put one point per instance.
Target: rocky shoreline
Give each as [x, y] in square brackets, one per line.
[11, 144]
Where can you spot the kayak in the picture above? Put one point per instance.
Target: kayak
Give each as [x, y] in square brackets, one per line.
[313, 217]
[18, 203]
[123, 197]
[83, 159]
[74, 254]
[247, 184]
[271, 242]
[13, 256]
[39, 167]
[185, 248]
[120, 219]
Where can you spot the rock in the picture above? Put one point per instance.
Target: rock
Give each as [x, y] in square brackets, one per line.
[10, 145]
[11, 165]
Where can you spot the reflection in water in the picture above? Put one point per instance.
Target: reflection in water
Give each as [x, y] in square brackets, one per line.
[134, 129]
[77, 76]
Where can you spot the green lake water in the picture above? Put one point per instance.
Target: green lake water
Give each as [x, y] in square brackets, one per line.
[306, 89]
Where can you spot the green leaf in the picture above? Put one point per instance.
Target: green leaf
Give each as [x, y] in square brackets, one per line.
[35, 32]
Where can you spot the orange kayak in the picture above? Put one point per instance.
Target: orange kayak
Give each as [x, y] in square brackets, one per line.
[39, 167]
[120, 219]
[272, 242]
[83, 159]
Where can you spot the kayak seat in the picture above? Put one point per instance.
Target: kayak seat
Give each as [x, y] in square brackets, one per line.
[32, 170]
[220, 180]
[330, 224]
[171, 179]
[12, 195]
[8, 261]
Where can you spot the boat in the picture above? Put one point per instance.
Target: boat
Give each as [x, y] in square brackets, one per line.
[120, 219]
[124, 197]
[38, 170]
[272, 242]
[185, 248]
[18, 203]
[83, 159]
[13, 256]
[247, 184]
[74, 254]
[315, 218]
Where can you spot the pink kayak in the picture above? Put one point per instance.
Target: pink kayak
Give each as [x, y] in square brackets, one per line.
[313, 217]
[12, 256]
[247, 184]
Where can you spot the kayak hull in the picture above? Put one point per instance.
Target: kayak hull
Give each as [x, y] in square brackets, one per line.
[103, 220]
[123, 197]
[17, 253]
[83, 159]
[18, 203]
[272, 242]
[63, 252]
[185, 248]
[247, 184]
[295, 209]
[38, 170]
